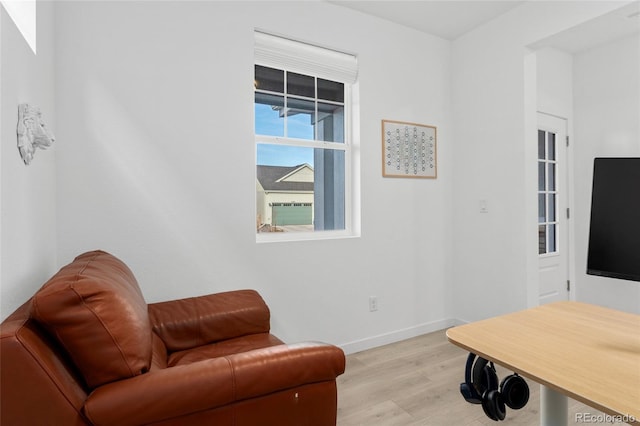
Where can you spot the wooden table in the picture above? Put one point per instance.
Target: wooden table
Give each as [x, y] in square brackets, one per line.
[585, 352]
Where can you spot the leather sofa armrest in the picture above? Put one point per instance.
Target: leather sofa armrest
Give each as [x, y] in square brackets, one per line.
[180, 390]
[188, 323]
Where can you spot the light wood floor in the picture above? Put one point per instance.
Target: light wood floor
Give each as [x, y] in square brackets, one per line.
[417, 382]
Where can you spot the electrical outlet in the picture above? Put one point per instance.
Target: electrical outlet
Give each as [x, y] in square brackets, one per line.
[373, 303]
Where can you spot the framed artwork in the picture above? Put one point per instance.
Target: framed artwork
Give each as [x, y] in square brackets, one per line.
[409, 150]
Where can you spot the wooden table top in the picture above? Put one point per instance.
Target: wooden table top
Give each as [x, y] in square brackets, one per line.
[587, 352]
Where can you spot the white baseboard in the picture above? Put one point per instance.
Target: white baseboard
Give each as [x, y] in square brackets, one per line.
[398, 335]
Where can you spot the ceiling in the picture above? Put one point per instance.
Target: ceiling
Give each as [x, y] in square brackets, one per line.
[604, 29]
[450, 19]
[446, 19]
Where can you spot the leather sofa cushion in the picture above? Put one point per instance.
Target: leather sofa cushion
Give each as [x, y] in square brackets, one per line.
[224, 348]
[95, 309]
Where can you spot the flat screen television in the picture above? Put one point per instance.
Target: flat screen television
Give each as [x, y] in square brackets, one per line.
[614, 230]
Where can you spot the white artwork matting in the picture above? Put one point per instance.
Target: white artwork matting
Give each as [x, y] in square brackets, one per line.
[408, 150]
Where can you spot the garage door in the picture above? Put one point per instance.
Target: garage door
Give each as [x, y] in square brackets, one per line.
[291, 214]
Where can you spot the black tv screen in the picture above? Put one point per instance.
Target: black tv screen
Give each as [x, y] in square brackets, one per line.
[614, 231]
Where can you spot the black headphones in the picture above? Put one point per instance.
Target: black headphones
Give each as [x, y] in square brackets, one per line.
[481, 387]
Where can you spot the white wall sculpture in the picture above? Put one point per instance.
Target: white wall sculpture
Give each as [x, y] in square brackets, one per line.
[32, 132]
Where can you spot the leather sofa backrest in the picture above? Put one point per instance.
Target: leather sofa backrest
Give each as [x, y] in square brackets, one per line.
[38, 384]
[94, 308]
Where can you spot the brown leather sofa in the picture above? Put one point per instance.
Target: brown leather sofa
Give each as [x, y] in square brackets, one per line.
[87, 349]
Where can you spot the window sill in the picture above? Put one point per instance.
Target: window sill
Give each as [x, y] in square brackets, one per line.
[274, 237]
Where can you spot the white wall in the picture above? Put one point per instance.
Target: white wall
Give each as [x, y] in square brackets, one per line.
[495, 253]
[27, 197]
[153, 119]
[157, 167]
[554, 81]
[607, 124]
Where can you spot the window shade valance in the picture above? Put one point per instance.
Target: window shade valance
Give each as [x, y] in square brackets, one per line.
[303, 58]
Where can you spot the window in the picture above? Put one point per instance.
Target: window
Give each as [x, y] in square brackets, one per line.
[547, 193]
[23, 14]
[302, 137]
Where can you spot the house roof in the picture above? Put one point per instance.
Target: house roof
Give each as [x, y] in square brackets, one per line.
[271, 178]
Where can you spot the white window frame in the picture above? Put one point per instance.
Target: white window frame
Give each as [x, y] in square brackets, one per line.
[293, 56]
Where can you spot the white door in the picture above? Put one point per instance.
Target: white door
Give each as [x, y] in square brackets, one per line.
[553, 232]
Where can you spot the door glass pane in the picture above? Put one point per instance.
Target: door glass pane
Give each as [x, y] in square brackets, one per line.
[542, 208]
[552, 207]
[551, 148]
[551, 239]
[541, 176]
[542, 239]
[541, 143]
[551, 174]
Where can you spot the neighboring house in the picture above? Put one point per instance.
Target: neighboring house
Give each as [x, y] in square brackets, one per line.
[284, 195]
